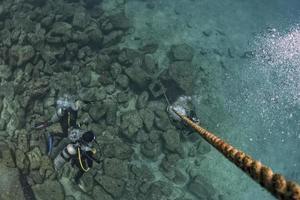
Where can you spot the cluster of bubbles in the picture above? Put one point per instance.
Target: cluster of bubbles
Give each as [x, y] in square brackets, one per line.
[278, 54]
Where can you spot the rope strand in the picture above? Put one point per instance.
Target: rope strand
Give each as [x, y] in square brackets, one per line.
[276, 184]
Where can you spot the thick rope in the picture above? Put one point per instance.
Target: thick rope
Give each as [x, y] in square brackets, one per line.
[276, 184]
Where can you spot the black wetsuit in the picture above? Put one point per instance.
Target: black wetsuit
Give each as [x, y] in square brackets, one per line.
[87, 162]
[68, 119]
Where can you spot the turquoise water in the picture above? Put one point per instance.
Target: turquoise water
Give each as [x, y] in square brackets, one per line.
[252, 102]
[246, 60]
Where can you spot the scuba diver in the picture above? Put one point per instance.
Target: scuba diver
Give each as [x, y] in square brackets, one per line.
[66, 114]
[183, 105]
[80, 152]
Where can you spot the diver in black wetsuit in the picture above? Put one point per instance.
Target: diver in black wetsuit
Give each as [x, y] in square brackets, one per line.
[66, 114]
[80, 152]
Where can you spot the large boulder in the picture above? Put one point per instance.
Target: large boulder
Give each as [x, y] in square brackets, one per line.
[61, 29]
[120, 21]
[138, 76]
[20, 55]
[112, 38]
[172, 140]
[10, 186]
[95, 35]
[80, 20]
[131, 123]
[5, 72]
[34, 157]
[118, 150]
[147, 116]
[181, 73]
[113, 186]
[49, 190]
[97, 111]
[6, 157]
[99, 192]
[115, 168]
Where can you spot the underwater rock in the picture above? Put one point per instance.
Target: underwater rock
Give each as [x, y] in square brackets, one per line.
[61, 29]
[34, 157]
[37, 2]
[86, 77]
[118, 150]
[149, 64]
[149, 48]
[128, 56]
[180, 72]
[123, 97]
[115, 168]
[172, 140]
[23, 140]
[182, 52]
[203, 147]
[111, 114]
[22, 161]
[131, 123]
[151, 150]
[113, 186]
[141, 137]
[34, 177]
[103, 62]
[201, 188]
[138, 76]
[159, 190]
[48, 189]
[162, 121]
[6, 158]
[142, 100]
[10, 186]
[5, 72]
[154, 136]
[95, 35]
[116, 70]
[142, 173]
[88, 95]
[20, 55]
[147, 116]
[157, 105]
[81, 38]
[99, 192]
[112, 38]
[119, 21]
[97, 111]
[46, 169]
[80, 20]
[123, 81]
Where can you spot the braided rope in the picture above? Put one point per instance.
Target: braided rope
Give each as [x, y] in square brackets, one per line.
[276, 184]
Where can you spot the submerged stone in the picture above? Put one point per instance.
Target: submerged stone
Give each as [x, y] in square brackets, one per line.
[181, 73]
[10, 186]
[20, 55]
[49, 189]
[115, 168]
[182, 52]
[113, 186]
[172, 140]
[98, 192]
